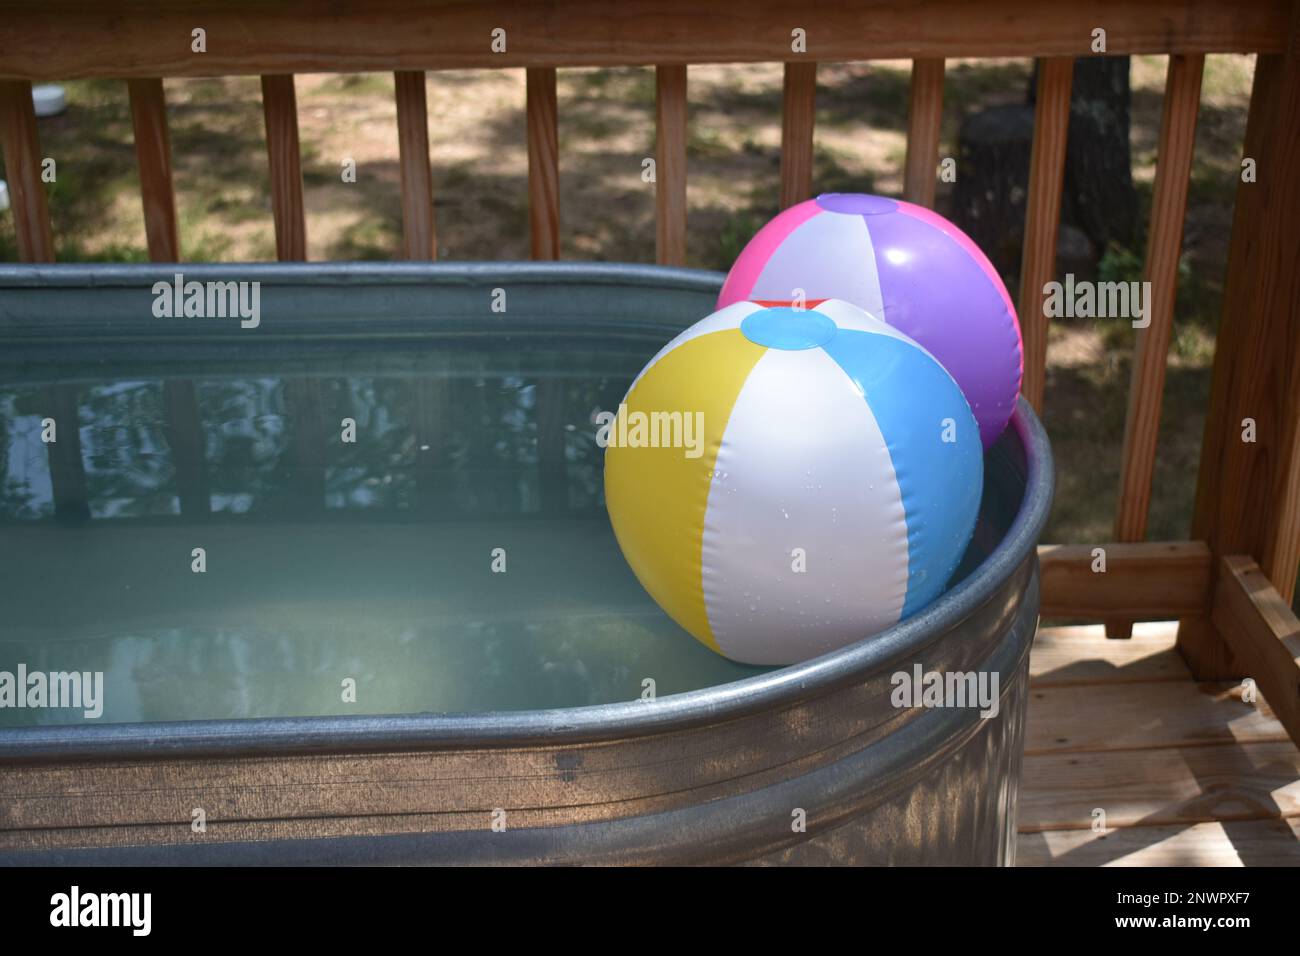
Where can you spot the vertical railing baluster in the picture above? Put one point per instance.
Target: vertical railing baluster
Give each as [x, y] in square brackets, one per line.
[153, 154]
[1043, 216]
[1164, 244]
[543, 164]
[22, 153]
[924, 117]
[798, 106]
[544, 217]
[670, 165]
[419, 241]
[280, 106]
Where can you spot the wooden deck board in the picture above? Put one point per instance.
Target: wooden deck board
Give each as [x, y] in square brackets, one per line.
[1186, 772]
[1248, 843]
[1151, 788]
[1144, 715]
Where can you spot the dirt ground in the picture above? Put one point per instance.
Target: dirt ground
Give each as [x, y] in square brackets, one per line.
[606, 117]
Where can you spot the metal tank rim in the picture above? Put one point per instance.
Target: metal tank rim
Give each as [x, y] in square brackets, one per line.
[601, 722]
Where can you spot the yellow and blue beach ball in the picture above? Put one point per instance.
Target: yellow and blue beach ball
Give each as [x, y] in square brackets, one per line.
[787, 481]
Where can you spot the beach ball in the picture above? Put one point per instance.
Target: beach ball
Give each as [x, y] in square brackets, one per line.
[786, 481]
[906, 265]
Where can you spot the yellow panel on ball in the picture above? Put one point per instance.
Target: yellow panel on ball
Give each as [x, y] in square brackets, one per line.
[656, 493]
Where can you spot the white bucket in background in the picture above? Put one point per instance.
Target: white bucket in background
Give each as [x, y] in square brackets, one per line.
[49, 99]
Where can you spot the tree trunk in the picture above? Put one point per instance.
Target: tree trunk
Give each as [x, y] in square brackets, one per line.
[1099, 196]
[1098, 204]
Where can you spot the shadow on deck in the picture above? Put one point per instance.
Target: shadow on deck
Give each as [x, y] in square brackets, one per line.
[1186, 773]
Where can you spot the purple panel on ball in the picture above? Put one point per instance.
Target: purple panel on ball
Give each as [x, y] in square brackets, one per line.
[856, 204]
[930, 286]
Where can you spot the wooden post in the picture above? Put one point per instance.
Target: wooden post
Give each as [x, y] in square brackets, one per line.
[924, 118]
[670, 165]
[22, 152]
[280, 106]
[153, 154]
[1248, 490]
[1043, 216]
[543, 163]
[798, 106]
[544, 213]
[1164, 245]
[419, 240]
[183, 424]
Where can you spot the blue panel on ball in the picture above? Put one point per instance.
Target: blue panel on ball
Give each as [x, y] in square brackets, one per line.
[792, 330]
[939, 465]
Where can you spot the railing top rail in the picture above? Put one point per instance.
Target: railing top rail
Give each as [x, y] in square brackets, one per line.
[71, 39]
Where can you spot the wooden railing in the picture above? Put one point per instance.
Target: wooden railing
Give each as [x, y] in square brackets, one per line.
[1230, 585]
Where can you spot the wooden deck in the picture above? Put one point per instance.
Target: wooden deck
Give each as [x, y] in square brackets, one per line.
[1188, 774]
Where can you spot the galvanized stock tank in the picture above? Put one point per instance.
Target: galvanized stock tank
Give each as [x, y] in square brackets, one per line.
[551, 714]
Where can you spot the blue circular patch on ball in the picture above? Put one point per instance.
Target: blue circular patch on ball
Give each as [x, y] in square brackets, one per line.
[791, 330]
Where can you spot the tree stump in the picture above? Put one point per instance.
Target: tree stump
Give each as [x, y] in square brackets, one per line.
[1099, 197]
[1098, 203]
[992, 181]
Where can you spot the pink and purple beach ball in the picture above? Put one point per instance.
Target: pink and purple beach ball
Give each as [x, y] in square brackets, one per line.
[903, 264]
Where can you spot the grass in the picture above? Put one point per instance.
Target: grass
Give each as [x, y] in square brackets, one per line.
[606, 117]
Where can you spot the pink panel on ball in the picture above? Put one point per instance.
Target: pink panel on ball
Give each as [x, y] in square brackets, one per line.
[749, 264]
